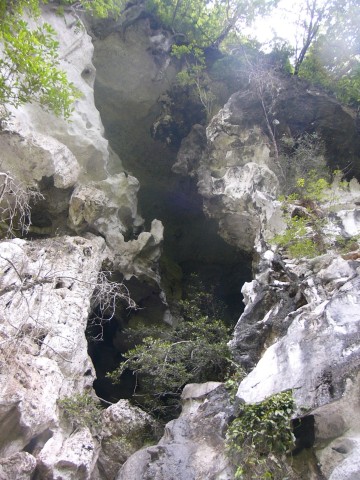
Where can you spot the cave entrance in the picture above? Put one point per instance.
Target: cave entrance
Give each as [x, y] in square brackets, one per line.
[191, 246]
[127, 100]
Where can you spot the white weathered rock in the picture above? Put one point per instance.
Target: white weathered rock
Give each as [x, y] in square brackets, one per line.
[241, 200]
[46, 289]
[83, 135]
[134, 70]
[327, 322]
[68, 457]
[140, 257]
[317, 356]
[237, 177]
[337, 432]
[108, 207]
[30, 388]
[40, 146]
[30, 158]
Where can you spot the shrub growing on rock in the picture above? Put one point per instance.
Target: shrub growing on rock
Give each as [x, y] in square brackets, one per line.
[260, 437]
[194, 351]
[306, 217]
[82, 410]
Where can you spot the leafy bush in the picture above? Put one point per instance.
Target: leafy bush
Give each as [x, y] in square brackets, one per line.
[194, 351]
[194, 73]
[349, 244]
[302, 155]
[82, 410]
[260, 436]
[312, 187]
[233, 380]
[305, 216]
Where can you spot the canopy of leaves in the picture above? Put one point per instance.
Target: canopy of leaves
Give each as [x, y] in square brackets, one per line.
[207, 22]
[329, 52]
[29, 62]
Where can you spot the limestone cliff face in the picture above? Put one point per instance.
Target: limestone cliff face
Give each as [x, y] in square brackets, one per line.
[50, 282]
[300, 327]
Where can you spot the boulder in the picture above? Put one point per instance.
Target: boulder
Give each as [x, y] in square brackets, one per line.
[193, 445]
[21, 466]
[125, 429]
[68, 456]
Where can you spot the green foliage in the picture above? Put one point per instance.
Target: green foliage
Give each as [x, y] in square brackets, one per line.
[202, 24]
[304, 214]
[194, 74]
[82, 410]
[233, 380]
[332, 59]
[299, 156]
[98, 8]
[295, 240]
[347, 244]
[194, 351]
[281, 53]
[312, 187]
[260, 436]
[303, 235]
[30, 64]
[207, 22]
[321, 70]
[30, 69]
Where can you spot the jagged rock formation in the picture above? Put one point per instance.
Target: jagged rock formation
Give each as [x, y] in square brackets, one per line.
[300, 327]
[239, 174]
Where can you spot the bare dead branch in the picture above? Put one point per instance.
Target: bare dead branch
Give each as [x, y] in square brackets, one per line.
[15, 210]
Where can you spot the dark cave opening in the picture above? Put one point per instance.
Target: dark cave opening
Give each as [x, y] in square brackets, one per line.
[108, 338]
[106, 357]
[218, 268]
[304, 432]
[191, 243]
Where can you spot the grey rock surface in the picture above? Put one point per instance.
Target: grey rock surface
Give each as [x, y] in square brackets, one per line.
[125, 428]
[21, 466]
[193, 445]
